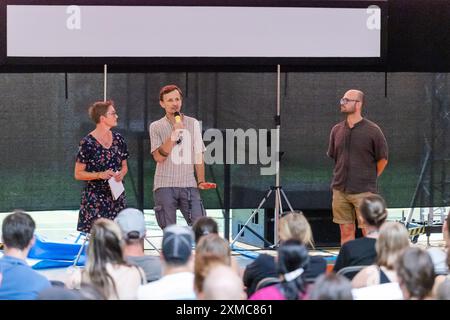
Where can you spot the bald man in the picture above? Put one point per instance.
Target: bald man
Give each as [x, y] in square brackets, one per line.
[360, 152]
[222, 283]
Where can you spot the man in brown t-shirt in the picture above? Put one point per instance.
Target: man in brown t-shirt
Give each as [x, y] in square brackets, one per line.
[360, 154]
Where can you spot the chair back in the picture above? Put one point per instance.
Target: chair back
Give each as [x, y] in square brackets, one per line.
[350, 272]
[265, 282]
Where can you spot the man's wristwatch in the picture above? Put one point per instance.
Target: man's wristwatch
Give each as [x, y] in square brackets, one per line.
[199, 183]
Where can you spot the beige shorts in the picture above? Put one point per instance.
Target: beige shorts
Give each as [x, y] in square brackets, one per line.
[346, 207]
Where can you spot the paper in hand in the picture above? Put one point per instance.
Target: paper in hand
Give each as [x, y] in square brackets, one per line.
[117, 187]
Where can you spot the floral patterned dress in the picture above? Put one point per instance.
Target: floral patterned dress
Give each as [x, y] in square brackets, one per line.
[96, 199]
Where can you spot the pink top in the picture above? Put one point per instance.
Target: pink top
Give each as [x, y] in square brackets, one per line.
[267, 293]
[271, 293]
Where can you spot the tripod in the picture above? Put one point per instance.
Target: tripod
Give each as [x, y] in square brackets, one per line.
[279, 193]
[278, 208]
[86, 239]
[433, 186]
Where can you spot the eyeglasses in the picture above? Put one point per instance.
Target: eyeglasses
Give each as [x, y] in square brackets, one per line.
[345, 100]
[112, 113]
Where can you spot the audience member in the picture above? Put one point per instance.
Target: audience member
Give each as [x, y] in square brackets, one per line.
[18, 280]
[132, 224]
[331, 286]
[264, 266]
[293, 225]
[441, 275]
[59, 293]
[222, 283]
[446, 231]
[443, 290]
[106, 268]
[177, 282]
[85, 292]
[204, 226]
[439, 258]
[211, 250]
[89, 292]
[384, 291]
[392, 241]
[415, 273]
[292, 260]
[361, 251]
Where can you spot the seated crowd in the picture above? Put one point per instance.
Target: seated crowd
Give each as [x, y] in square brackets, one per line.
[197, 263]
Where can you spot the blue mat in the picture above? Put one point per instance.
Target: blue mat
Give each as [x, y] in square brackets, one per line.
[55, 254]
[246, 253]
[48, 264]
[253, 255]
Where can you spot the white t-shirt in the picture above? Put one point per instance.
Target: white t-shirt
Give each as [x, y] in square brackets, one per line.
[385, 291]
[177, 286]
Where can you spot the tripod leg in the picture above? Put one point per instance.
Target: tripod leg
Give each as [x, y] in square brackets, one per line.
[269, 192]
[276, 217]
[150, 243]
[287, 200]
[80, 251]
[279, 203]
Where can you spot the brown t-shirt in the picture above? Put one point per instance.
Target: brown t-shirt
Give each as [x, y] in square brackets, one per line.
[356, 152]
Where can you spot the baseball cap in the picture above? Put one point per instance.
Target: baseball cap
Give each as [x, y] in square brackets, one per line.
[177, 243]
[132, 223]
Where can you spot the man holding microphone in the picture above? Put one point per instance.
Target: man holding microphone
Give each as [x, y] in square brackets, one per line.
[177, 146]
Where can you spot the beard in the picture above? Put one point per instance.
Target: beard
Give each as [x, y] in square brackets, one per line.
[348, 111]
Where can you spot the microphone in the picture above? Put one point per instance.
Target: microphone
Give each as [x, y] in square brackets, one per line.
[178, 120]
[177, 117]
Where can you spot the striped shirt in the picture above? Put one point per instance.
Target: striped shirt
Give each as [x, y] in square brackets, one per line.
[178, 168]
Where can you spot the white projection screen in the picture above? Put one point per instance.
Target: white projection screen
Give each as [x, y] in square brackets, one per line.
[192, 31]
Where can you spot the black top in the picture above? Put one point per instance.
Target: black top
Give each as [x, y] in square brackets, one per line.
[358, 252]
[383, 277]
[265, 266]
[356, 152]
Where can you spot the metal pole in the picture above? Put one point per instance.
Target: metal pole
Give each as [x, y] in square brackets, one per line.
[226, 191]
[277, 163]
[105, 73]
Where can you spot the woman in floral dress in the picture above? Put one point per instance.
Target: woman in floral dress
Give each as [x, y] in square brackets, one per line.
[102, 154]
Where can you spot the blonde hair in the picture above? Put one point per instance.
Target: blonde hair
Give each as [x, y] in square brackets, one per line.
[391, 243]
[294, 225]
[210, 251]
[105, 247]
